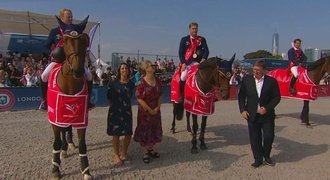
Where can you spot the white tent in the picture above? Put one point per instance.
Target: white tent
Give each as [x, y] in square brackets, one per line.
[30, 23]
[31, 28]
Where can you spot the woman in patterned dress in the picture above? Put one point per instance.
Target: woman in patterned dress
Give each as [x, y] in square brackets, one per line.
[149, 126]
[120, 112]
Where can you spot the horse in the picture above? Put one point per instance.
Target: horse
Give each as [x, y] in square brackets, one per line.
[315, 72]
[178, 106]
[212, 74]
[69, 78]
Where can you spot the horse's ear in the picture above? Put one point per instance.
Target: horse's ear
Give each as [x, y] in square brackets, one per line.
[82, 24]
[232, 58]
[60, 23]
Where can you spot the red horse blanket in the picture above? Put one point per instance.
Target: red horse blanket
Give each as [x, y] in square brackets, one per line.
[65, 110]
[195, 101]
[306, 89]
[175, 85]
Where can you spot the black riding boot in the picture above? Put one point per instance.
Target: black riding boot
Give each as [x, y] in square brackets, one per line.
[43, 87]
[90, 89]
[182, 83]
[292, 89]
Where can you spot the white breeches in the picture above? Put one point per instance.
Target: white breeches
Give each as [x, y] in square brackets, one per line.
[45, 74]
[294, 71]
[185, 72]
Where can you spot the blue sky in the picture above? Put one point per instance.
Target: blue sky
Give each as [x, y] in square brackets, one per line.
[230, 26]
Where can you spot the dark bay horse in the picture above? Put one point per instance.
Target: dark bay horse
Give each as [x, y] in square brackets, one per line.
[212, 73]
[178, 108]
[315, 72]
[71, 81]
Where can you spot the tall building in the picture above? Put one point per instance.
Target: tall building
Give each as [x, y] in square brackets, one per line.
[275, 44]
[313, 54]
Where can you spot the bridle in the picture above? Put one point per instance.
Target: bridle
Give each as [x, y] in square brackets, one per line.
[70, 56]
[220, 74]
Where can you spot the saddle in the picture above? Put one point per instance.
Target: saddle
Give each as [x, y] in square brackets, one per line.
[195, 101]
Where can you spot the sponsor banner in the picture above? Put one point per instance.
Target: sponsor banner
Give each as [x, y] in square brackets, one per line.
[28, 98]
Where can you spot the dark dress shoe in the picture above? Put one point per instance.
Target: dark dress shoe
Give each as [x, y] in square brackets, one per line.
[269, 162]
[256, 164]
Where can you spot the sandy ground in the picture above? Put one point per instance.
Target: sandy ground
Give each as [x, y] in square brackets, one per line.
[300, 152]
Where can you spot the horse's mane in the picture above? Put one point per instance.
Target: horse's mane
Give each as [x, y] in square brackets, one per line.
[211, 62]
[317, 63]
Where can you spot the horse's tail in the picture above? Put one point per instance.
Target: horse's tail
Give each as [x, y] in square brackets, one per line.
[178, 110]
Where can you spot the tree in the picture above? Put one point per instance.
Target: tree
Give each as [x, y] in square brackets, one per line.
[260, 54]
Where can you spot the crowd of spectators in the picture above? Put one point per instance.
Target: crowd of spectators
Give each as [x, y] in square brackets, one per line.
[17, 70]
[164, 71]
[24, 70]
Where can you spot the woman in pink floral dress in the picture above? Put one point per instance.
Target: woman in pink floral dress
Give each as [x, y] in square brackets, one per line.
[149, 126]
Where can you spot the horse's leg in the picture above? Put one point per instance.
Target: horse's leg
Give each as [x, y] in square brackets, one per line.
[188, 121]
[64, 147]
[84, 166]
[305, 114]
[69, 136]
[56, 161]
[194, 134]
[173, 122]
[201, 135]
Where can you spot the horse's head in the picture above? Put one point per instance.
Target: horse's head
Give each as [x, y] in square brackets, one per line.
[317, 69]
[75, 43]
[220, 72]
[327, 64]
[224, 75]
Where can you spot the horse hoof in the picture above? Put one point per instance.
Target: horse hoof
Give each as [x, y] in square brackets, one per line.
[63, 155]
[71, 146]
[203, 147]
[194, 151]
[87, 177]
[308, 125]
[56, 175]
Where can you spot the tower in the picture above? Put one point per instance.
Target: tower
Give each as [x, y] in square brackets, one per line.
[275, 44]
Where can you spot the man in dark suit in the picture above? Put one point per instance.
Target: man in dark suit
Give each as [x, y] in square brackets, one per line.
[257, 98]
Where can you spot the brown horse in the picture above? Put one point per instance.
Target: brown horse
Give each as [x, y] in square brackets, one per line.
[315, 72]
[70, 81]
[212, 73]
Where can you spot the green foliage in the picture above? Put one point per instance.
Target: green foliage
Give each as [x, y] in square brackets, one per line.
[261, 54]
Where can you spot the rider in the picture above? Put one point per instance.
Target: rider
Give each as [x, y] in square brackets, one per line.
[296, 58]
[55, 40]
[193, 49]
